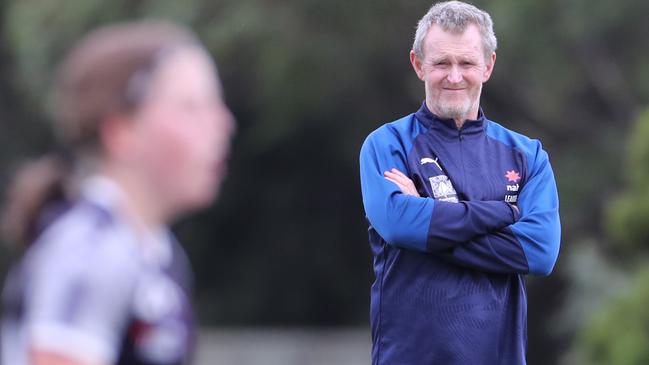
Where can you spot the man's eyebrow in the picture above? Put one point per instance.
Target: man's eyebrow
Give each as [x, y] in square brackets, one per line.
[439, 58]
[467, 58]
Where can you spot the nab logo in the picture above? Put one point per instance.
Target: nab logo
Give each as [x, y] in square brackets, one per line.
[512, 177]
[513, 188]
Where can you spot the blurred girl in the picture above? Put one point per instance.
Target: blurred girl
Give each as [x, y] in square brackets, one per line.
[140, 113]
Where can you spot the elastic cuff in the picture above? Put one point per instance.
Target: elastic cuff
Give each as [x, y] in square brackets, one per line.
[515, 212]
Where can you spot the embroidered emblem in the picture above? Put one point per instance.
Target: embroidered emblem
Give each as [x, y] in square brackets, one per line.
[443, 189]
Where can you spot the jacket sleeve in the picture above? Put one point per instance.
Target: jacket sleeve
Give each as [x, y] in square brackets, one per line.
[405, 221]
[531, 245]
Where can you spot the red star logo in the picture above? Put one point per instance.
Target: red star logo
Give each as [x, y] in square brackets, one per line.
[512, 176]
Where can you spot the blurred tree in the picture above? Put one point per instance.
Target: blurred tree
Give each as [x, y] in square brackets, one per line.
[628, 214]
[618, 332]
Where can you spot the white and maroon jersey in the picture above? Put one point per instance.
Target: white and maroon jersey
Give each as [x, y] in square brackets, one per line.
[93, 288]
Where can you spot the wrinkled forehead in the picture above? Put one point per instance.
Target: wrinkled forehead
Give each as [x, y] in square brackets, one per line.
[468, 39]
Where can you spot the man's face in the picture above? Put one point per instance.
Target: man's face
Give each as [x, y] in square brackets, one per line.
[453, 69]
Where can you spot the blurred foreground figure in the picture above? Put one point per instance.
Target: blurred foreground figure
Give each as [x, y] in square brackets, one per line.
[460, 208]
[140, 115]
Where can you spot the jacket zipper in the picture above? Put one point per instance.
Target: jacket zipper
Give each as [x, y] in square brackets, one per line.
[461, 138]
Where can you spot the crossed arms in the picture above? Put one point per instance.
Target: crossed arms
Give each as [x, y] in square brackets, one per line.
[490, 236]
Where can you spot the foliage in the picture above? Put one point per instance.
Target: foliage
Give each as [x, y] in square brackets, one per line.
[619, 332]
[628, 214]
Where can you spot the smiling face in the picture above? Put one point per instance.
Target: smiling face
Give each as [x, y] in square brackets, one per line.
[181, 132]
[453, 68]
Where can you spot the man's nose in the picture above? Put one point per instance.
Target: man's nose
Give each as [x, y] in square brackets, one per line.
[454, 74]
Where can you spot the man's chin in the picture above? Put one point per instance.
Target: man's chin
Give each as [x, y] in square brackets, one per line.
[453, 113]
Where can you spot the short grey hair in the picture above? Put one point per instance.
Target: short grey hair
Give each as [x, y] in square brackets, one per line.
[454, 17]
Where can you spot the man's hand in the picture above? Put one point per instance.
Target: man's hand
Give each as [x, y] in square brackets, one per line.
[403, 182]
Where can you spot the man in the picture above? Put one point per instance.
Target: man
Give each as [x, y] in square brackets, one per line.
[460, 208]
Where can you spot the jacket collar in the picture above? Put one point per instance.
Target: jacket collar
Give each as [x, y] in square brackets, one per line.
[447, 127]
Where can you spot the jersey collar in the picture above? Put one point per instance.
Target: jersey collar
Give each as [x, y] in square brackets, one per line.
[154, 243]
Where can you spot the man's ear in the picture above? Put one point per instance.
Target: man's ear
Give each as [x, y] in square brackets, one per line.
[491, 62]
[417, 65]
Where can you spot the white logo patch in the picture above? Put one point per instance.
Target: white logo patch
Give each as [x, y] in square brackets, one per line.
[426, 160]
[443, 189]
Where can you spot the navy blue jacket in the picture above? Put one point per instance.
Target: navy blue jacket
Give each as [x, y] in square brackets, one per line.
[449, 287]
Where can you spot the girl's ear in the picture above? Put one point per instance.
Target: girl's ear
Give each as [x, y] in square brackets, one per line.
[116, 137]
